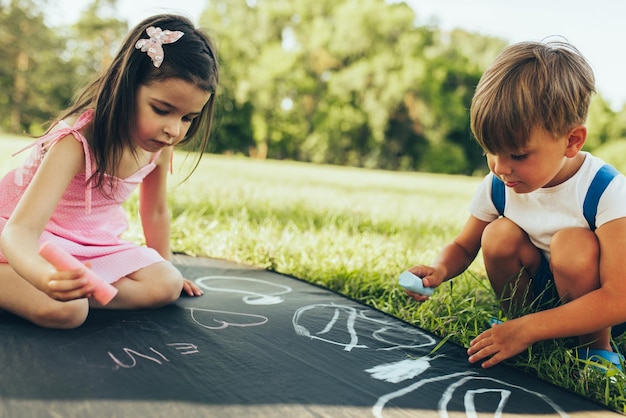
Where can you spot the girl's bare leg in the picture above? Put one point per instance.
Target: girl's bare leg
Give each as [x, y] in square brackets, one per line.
[151, 287]
[21, 298]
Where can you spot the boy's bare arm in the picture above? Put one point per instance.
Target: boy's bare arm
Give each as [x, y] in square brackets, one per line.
[453, 259]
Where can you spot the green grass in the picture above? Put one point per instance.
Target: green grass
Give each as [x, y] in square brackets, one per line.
[352, 231]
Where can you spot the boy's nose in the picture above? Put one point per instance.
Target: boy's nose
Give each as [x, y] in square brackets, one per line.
[500, 166]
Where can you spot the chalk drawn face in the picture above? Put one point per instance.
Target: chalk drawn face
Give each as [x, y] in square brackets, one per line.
[342, 325]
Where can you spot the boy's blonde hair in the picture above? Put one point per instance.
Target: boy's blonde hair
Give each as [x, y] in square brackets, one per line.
[530, 85]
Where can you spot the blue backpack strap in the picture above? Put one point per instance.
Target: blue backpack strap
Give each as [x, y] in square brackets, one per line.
[601, 180]
[498, 196]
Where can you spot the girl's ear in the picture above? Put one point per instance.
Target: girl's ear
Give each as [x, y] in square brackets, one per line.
[576, 138]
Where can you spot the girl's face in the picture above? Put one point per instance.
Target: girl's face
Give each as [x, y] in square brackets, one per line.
[545, 161]
[165, 110]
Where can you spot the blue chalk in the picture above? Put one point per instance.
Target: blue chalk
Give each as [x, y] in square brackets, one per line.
[413, 283]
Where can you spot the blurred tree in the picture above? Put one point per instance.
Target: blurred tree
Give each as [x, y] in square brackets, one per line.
[43, 66]
[614, 153]
[350, 82]
[232, 132]
[355, 82]
[618, 128]
[32, 74]
[96, 36]
[600, 123]
[255, 65]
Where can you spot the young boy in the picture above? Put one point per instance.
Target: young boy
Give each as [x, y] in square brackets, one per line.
[528, 115]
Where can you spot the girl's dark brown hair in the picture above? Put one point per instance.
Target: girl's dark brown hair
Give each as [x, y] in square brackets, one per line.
[113, 94]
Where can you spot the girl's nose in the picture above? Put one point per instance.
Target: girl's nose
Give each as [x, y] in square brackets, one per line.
[172, 129]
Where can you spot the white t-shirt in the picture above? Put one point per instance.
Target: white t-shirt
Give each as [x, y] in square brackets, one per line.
[545, 211]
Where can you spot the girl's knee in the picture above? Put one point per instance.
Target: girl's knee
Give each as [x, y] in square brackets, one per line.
[61, 315]
[153, 286]
[172, 289]
[169, 286]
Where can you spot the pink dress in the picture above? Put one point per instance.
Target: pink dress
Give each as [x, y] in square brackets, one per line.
[86, 223]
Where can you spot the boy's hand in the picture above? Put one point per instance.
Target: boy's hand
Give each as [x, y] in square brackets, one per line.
[68, 285]
[500, 342]
[191, 289]
[430, 278]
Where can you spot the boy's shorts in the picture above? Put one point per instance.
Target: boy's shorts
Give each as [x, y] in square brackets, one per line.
[547, 296]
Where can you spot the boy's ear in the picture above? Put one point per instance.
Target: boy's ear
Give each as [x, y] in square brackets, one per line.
[576, 138]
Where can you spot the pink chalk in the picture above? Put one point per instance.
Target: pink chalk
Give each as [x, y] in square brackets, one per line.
[103, 291]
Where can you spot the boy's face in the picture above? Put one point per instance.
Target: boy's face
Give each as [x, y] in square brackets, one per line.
[544, 161]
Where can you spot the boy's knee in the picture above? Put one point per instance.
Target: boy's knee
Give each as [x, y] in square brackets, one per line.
[500, 236]
[574, 250]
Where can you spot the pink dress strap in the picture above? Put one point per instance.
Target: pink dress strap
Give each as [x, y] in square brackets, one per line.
[53, 137]
[156, 156]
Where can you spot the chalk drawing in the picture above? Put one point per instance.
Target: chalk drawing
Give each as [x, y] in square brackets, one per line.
[377, 409]
[470, 406]
[185, 348]
[410, 368]
[401, 370]
[225, 319]
[154, 356]
[469, 400]
[342, 322]
[390, 332]
[234, 284]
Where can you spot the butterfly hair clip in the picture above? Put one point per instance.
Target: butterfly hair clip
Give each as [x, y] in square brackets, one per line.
[154, 46]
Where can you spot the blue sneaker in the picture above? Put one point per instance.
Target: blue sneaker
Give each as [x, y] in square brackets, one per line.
[601, 356]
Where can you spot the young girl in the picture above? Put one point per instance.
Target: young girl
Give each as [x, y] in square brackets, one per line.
[158, 92]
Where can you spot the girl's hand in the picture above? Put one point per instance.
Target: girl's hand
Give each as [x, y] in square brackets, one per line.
[191, 289]
[500, 342]
[68, 285]
[430, 278]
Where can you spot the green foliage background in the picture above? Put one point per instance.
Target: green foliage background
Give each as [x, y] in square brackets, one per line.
[362, 83]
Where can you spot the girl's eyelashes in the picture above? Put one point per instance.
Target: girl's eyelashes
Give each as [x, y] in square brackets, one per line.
[159, 111]
[163, 112]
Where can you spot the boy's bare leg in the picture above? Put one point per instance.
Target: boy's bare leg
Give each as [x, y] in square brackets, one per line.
[510, 260]
[575, 265]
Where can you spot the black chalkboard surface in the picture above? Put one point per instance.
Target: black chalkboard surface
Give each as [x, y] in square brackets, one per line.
[257, 344]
